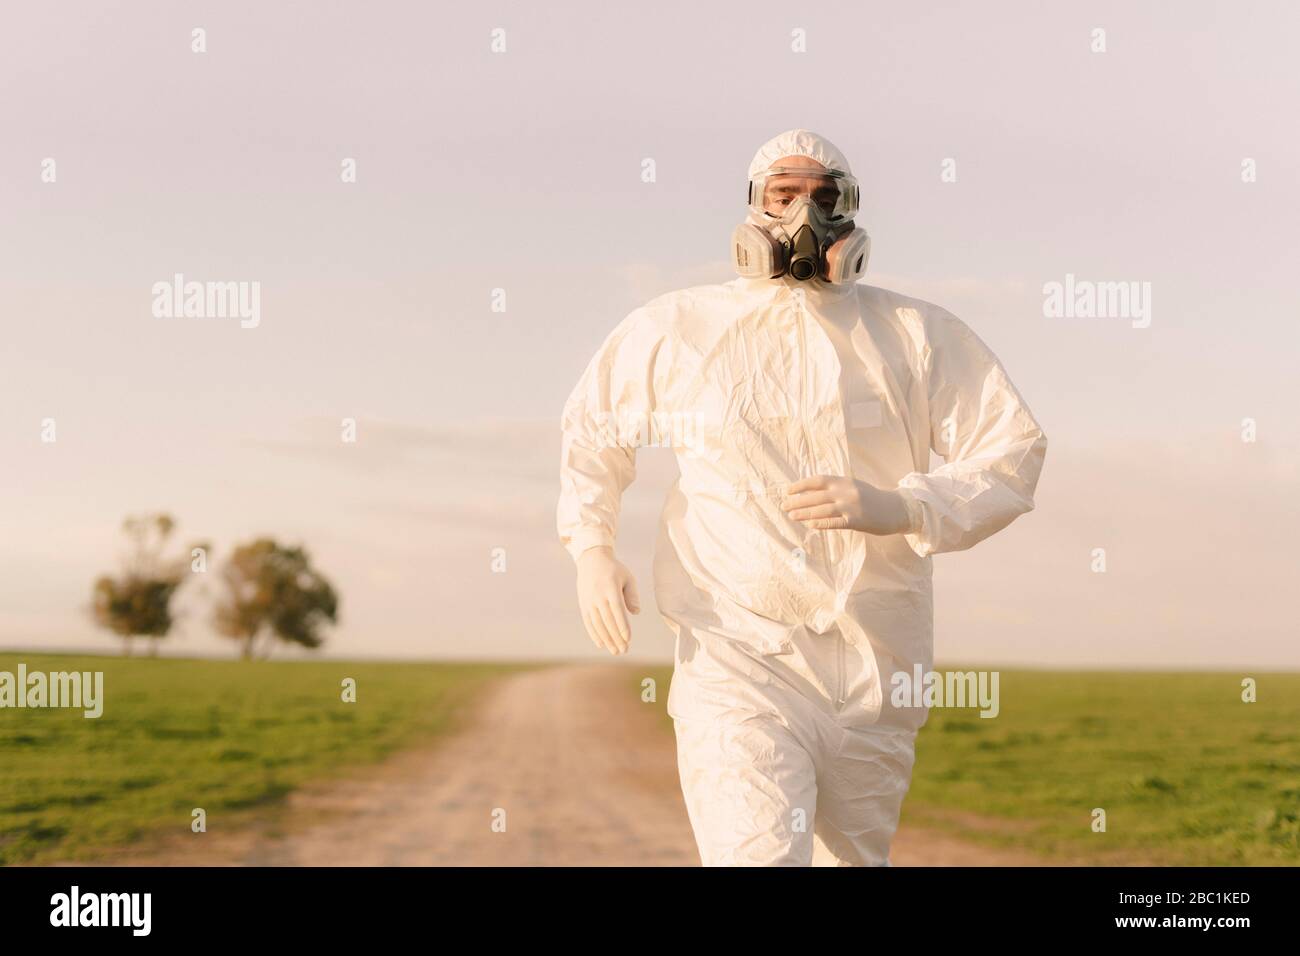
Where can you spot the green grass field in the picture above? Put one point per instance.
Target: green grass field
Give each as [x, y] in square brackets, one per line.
[1186, 772]
[227, 736]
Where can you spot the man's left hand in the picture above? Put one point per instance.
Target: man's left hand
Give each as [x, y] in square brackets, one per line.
[830, 503]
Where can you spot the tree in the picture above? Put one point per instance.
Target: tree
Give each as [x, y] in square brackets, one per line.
[274, 591]
[138, 602]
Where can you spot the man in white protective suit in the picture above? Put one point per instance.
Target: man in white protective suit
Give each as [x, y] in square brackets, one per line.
[793, 561]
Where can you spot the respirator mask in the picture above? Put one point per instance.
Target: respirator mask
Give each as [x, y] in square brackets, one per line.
[800, 224]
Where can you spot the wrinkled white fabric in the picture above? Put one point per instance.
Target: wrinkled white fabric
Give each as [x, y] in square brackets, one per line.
[779, 764]
[798, 142]
[757, 383]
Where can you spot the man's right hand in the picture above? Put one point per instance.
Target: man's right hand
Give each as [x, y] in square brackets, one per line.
[606, 594]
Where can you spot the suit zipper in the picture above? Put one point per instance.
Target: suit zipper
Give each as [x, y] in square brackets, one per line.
[800, 319]
[839, 668]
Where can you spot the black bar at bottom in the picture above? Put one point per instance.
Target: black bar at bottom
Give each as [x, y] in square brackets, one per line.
[334, 905]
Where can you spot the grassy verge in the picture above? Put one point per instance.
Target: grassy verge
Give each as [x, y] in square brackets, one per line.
[228, 737]
[1184, 770]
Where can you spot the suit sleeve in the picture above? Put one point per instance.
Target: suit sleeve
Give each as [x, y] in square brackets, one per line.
[992, 446]
[600, 425]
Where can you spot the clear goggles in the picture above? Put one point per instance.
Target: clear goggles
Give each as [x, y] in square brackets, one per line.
[833, 192]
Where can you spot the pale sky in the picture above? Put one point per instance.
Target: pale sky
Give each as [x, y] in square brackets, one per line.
[522, 170]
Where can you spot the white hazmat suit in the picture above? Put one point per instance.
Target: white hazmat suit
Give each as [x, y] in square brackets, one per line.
[787, 637]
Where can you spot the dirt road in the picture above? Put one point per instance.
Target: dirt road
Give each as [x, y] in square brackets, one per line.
[578, 769]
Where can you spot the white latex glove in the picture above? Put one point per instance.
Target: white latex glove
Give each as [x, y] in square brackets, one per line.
[830, 503]
[606, 594]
